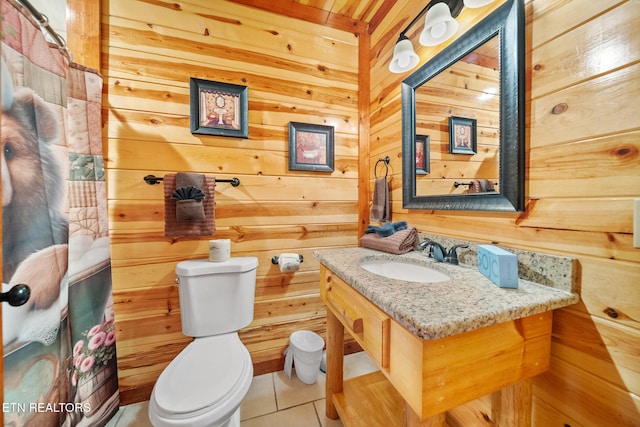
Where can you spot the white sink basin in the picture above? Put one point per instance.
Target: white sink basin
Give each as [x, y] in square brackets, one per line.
[406, 271]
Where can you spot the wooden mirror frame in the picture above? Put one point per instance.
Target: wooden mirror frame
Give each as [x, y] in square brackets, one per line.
[507, 23]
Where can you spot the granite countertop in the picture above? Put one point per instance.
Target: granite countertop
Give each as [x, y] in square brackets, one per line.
[436, 310]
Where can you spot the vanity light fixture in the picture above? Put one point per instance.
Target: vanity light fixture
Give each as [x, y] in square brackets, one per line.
[440, 25]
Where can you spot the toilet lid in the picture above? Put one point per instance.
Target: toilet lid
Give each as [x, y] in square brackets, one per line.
[199, 267]
[202, 374]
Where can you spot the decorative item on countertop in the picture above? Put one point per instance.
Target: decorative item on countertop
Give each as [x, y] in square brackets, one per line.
[219, 250]
[499, 265]
[288, 262]
[387, 229]
[400, 242]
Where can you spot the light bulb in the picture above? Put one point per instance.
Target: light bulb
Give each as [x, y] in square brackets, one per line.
[438, 30]
[404, 58]
[439, 25]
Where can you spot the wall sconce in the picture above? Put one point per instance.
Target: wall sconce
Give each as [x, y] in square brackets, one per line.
[440, 25]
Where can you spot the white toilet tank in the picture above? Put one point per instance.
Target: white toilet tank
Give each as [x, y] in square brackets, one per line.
[216, 297]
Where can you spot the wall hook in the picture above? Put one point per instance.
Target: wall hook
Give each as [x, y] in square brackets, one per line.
[386, 161]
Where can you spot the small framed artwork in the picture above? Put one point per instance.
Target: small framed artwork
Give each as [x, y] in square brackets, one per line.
[219, 108]
[422, 154]
[462, 135]
[310, 147]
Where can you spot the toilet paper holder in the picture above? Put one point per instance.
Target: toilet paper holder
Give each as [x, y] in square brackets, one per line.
[276, 259]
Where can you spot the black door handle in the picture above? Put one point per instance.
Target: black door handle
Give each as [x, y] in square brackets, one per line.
[16, 296]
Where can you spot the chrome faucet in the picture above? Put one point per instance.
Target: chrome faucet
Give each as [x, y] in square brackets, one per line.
[440, 253]
[436, 250]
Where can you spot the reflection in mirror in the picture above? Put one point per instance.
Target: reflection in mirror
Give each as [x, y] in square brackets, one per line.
[468, 103]
[468, 90]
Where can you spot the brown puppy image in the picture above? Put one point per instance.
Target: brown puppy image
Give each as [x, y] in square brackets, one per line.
[43, 271]
[32, 183]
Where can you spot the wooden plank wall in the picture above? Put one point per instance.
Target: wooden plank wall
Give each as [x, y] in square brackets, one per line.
[295, 71]
[455, 94]
[583, 172]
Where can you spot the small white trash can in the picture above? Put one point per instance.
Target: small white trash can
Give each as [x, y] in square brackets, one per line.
[307, 355]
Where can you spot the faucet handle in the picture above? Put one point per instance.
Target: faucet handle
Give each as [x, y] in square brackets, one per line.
[436, 250]
[452, 255]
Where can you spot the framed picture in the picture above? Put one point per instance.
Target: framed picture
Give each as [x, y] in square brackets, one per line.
[310, 147]
[422, 154]
[462, 136]
[218, 108]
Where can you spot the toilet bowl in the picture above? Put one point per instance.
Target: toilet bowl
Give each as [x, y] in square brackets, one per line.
[204, 385]
[206, 382]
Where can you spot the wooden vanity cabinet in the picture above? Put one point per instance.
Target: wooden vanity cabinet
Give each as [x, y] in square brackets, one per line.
[365, 322]
[420, 379]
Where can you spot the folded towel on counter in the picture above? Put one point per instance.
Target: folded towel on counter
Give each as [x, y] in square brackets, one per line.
[481, 186]
[387, 229]
[380, 201]
[398, 243]
[203, 225]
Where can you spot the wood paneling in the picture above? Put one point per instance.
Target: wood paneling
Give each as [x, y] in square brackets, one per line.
[295, 71]
[583, 171]
[466, 90]
[83, 35]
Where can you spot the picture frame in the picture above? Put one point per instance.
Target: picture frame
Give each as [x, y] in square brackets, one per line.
[462, 135]
[311, 147]
[219, 109]
[423, 157]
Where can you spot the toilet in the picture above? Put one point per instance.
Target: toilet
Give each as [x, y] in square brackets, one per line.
[205, 384]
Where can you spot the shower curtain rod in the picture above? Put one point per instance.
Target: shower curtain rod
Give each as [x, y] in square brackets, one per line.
[44, 23]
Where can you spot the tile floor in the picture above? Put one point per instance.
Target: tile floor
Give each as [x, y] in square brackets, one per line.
[273, 400]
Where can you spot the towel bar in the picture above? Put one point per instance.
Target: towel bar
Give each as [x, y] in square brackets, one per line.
[458, 184]
[152, 179]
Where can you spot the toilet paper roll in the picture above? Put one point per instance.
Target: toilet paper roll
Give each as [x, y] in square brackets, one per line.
[289, 263]
[219, 250]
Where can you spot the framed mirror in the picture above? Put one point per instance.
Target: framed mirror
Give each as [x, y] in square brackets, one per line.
[469, 101]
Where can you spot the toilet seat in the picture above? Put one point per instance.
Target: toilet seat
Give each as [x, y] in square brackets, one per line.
[211, 374]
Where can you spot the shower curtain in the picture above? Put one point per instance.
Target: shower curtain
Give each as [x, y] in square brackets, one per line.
[59, 348]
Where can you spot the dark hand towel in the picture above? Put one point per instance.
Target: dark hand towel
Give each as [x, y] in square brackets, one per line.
[204, 227]
[486, 185]
[380, 201]
[189, 210]
[189, 206]
[398, 243]
[189, 179]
